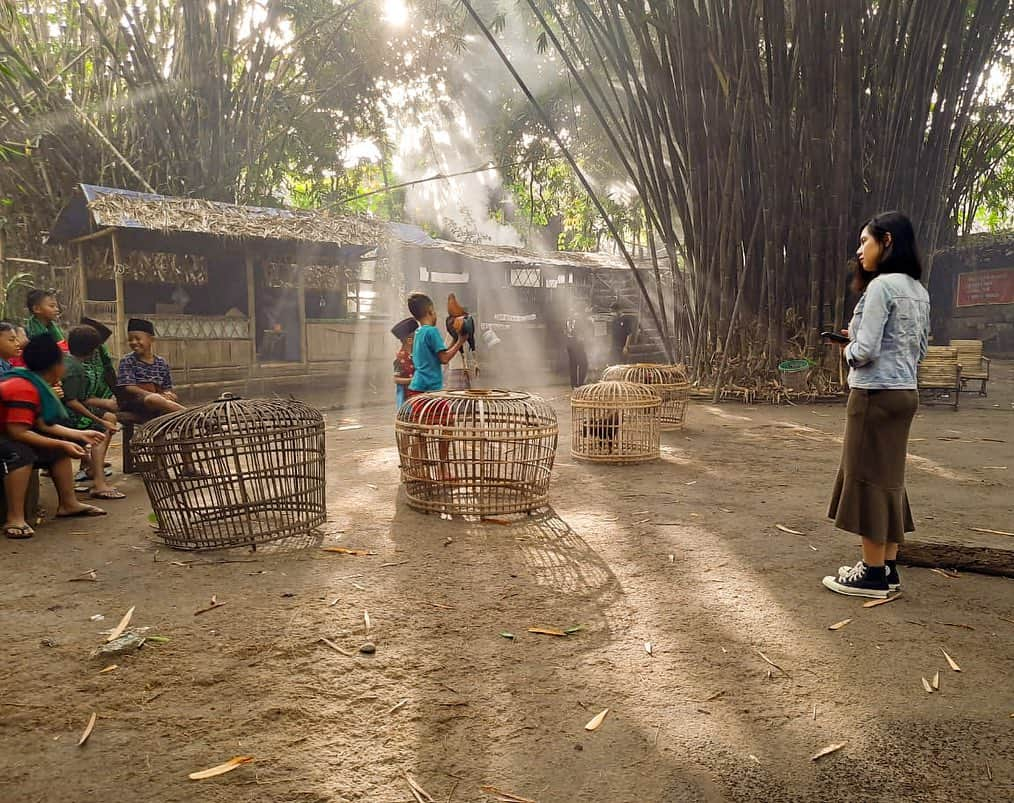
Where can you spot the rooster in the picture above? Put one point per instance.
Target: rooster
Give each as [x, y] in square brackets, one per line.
[459, 321]
[605, 429]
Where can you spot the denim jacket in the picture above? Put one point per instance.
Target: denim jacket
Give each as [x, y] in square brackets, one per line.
[890, 334]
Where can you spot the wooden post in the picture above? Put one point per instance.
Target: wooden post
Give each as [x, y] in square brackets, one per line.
[251, 311]
[301, 292]
[82, 280]
[121, 315]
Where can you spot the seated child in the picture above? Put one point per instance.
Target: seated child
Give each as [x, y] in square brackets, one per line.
[31, 434]
[403, 367]
[43, 312]
[144, 382]
[83, 389]
[10, 347]
[101, 363]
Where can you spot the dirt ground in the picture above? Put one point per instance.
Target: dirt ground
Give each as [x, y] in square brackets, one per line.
[683, 554]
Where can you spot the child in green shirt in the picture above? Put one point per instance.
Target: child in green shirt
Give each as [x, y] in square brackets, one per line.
[83, 389]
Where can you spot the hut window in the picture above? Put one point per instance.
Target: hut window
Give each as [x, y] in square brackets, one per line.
[360, 297]
[526, 277]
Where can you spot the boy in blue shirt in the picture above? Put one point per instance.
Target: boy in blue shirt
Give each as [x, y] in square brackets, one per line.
[429, 352]
[429, 355]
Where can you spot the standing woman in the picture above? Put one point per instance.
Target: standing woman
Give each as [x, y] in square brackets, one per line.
[887, 343]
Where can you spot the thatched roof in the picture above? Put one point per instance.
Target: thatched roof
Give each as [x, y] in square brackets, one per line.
[413, 237]
[160, 222]
[982, 240]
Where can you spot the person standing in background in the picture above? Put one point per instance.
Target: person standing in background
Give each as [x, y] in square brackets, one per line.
[621, 330]
[576, 329]
[889, 336]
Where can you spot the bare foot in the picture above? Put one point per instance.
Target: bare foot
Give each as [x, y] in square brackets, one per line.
[79, 510]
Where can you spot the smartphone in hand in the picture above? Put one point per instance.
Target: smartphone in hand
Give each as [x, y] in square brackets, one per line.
[834, 337]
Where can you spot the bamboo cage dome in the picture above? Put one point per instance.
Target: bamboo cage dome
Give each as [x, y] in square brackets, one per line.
[669, 381]
[234, 472]
[476, 452]
[615, 422]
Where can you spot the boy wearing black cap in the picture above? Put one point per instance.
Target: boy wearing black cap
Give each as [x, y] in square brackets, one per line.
[403, 367]
[84, 390]
[32, 434]
[144, 381]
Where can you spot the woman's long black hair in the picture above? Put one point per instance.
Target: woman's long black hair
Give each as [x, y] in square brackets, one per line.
[902, 254]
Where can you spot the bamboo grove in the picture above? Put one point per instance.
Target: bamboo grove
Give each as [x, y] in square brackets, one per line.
[759, 135]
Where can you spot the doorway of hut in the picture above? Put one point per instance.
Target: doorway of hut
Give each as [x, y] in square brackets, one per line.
[278, 320]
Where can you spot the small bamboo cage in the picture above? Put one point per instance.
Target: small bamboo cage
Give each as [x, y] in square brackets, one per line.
[476, 452]
[668, 381]
[234, 472]
[615, 422]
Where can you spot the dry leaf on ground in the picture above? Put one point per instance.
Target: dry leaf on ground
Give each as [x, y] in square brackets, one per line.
[788, 530]
[420, 794]
[839, 625]
[873, 603]
[989, 532]
[596, 721]
[936, 681]
[87, 730]
[221, 769]
[504, 797]
[346, 551]
[118, 630]
[831, 748]
[546, 631]
[336, 648]
[926, 685]
[951, 662]
[109, 668]
[776, 666]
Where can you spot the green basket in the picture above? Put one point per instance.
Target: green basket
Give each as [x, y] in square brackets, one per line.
[794, 373]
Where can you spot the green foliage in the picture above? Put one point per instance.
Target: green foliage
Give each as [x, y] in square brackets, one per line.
[12, 296]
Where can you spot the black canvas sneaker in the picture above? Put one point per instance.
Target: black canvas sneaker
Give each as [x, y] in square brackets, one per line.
[857, 582]
[893, 578]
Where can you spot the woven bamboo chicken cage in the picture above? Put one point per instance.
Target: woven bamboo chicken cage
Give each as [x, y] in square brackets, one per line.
[615, 422]
[476, 452]
[234, 472]
[668, 381]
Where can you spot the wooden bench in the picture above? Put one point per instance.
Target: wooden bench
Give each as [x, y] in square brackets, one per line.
[974, 366]
[940, 370]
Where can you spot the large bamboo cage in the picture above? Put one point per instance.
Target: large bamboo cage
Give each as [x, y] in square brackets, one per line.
[668, 381]
[476, 452]
[234, 472]
[615, 422]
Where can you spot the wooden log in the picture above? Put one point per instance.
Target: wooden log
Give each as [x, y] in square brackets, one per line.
[968, 558]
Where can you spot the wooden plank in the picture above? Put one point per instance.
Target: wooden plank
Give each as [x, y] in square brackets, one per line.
[93, 236]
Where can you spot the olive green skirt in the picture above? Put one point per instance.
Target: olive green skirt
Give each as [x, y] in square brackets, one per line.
[869, 496]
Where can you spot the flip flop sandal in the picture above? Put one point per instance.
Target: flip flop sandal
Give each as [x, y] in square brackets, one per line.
[112, 493]
[88, 511]
[81, 476]
[19, 533]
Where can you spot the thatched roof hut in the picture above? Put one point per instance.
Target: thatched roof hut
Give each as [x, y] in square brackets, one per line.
[160, 223]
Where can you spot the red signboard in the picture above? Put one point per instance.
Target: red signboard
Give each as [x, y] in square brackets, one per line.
[986, 287]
